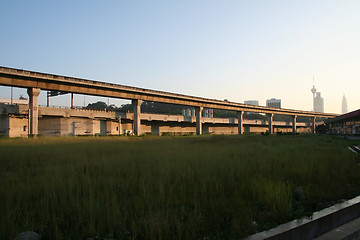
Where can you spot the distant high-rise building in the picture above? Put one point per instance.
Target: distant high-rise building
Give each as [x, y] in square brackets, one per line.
[344, 108]
[274, 103]
[318, 103]
[252, 102]
[313, 90]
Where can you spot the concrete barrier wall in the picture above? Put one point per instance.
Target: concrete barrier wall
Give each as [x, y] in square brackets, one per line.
[69, 126]
[70, 122]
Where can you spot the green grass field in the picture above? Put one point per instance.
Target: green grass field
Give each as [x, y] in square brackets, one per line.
[208, 187]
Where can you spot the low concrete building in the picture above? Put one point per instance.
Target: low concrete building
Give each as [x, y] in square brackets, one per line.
[77, 121]
[348, 123]
[14, 120]
[14, 101]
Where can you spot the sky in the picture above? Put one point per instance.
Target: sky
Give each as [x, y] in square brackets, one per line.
[235, 50]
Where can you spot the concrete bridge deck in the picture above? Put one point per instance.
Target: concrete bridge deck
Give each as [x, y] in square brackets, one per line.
[35, 81]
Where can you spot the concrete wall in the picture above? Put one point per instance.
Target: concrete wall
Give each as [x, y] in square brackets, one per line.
[50, 126]
[161, 128]
[113, 127]
[220, 129]
[18, 127]
[4, 125]
[54, 126]
[70, 122]
[72, 126]
[96, 127]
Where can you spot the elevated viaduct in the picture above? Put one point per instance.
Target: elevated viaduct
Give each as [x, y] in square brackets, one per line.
[55, 121]
[36, 81]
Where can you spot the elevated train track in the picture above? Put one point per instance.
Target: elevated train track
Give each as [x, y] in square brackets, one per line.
[36, 81]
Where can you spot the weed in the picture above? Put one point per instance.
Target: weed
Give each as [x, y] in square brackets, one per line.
[209, 187]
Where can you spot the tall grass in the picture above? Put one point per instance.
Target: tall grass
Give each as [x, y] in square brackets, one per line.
[211, 187]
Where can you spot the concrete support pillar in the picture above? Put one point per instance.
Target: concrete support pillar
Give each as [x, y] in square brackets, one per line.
[313, 127]
[108, 127]
[48, 98]
[73, 126]
[72, 100]
[33, 111]
[240, 122]
[271, 129]
[137, 112]
[120, 130]
[92, 127]
[198, 113]
[294, 123]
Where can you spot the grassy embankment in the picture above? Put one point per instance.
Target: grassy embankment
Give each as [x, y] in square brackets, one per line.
[211, 187]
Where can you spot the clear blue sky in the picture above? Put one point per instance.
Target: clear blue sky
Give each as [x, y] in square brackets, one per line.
[236, 50]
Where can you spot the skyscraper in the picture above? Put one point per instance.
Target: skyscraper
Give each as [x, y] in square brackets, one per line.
[313, 90]
[274, 103]
[344, 108]
[318, 103]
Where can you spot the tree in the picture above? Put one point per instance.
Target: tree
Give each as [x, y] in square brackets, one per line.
[97, 106]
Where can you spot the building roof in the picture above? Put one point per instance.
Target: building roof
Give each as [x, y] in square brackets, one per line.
[346, 116]
[13, 101]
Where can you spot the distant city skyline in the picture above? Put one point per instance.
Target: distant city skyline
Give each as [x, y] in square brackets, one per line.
[235, 50]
